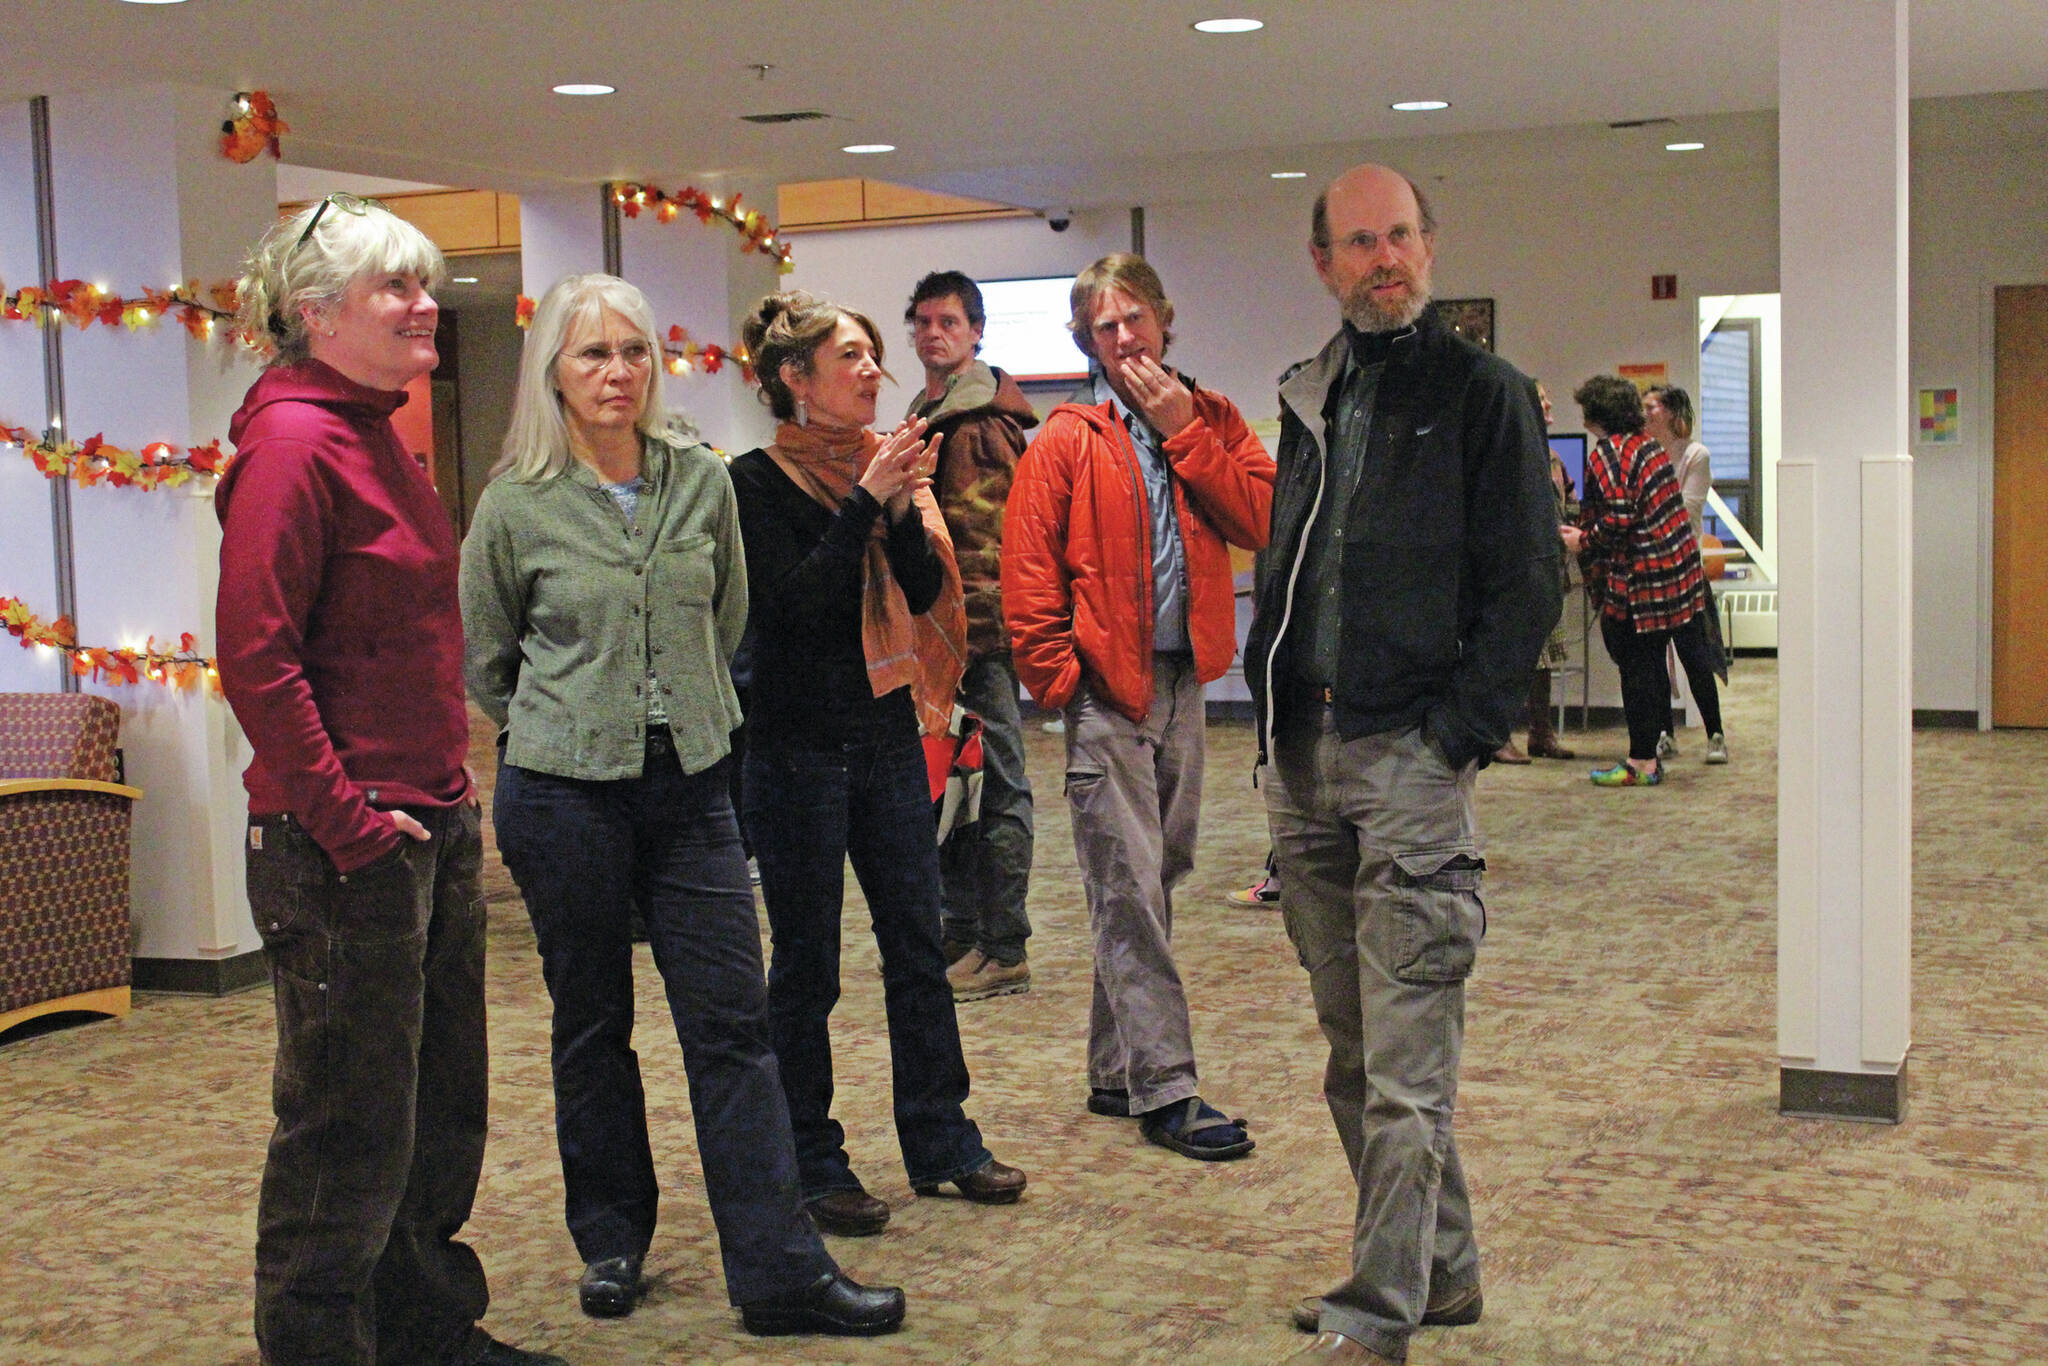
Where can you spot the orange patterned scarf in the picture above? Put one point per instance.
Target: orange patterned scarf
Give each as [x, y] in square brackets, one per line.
[928, 651]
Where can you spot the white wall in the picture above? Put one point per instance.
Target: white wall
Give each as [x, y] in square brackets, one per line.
[144, 198]
[1567, 261]
[875, 269]
[1979, 220]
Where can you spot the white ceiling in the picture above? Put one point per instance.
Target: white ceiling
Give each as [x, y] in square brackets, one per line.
[1046, 103]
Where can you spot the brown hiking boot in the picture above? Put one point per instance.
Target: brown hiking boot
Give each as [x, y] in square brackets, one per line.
[977, 977]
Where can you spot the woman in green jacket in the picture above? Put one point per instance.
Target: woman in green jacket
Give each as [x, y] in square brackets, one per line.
[603, 592]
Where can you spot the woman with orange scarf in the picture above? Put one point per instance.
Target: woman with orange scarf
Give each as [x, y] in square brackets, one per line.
[859, 636]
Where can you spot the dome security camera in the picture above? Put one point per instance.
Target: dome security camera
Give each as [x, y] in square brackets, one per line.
[1059, 220]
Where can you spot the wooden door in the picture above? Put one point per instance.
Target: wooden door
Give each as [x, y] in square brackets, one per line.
[2019, 510]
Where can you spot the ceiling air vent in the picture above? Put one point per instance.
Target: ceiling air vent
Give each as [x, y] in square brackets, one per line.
[789, 116]
[1642, 123]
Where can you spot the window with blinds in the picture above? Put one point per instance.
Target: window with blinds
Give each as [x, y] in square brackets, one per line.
[1730, 419]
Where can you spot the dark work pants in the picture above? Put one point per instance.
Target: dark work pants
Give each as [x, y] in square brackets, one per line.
[809, 811]
[1696, 656]
[1645, 682]
[380, 1091]
[987, 865]
[583, 854]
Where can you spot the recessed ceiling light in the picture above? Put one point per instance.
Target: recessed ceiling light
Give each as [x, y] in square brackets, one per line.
[1683, 146]
[1229, 25]
[1288, 175]
[463, 280]
[585, 88]
[1419, 106]
[868, 149]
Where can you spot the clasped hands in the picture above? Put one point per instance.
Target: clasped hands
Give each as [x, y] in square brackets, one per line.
[903, 464]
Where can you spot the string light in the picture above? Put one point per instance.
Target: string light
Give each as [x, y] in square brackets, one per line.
[756, 232]
[93, 461]
[81, 304]
[177, 668]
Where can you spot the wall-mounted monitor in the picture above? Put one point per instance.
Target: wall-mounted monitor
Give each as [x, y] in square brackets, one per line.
[1027, 332]
[1570, 447]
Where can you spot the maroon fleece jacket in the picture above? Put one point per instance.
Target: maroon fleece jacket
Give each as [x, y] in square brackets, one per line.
[338, 627]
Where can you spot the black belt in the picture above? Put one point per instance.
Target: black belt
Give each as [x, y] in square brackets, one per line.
[661, 742]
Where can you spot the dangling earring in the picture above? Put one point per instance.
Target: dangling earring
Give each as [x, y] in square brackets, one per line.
[803, 414]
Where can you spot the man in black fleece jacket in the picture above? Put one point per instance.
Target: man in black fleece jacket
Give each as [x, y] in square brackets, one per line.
[1409, 583]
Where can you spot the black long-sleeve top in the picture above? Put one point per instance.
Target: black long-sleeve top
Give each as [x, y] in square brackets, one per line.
[810, 677]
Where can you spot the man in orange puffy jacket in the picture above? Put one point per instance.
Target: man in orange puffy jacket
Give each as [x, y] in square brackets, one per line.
[1117, 591]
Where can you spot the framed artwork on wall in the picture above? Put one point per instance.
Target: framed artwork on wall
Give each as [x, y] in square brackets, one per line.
[1471, 319]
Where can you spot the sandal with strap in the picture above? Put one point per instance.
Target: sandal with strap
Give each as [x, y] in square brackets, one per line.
[1194, 1129]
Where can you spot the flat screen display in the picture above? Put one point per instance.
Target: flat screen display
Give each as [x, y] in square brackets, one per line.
[1027, 332]
[1570, 447]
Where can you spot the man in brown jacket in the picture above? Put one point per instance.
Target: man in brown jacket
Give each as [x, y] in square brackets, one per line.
[982, 415]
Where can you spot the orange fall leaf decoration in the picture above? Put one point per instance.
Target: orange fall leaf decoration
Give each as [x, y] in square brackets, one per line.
[180, 669]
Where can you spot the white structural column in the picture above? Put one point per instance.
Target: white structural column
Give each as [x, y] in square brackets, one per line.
[27, 543]
[694, 275]
[143, 198]
[1845, 573]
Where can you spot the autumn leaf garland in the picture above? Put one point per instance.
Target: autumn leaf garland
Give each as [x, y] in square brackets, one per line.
[96, 461]
[179, 669]
[756, 232]
[80, 303]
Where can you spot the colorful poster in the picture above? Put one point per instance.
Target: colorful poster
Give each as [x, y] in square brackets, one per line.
[1644, 376]
[1940, 420]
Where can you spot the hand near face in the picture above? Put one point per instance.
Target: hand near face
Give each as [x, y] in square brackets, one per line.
[1158, 395]
[1573, 538]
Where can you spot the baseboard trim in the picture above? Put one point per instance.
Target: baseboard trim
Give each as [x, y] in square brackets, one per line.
[1868, 1097]
[203, 976]
[1938, 718]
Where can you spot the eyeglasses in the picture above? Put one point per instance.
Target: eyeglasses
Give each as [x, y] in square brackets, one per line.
[595, 358]
[347, 203]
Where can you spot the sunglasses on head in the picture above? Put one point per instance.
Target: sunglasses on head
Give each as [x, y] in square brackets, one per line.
[347, 203]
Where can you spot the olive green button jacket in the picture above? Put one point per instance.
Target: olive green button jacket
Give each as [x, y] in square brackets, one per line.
[568, 610]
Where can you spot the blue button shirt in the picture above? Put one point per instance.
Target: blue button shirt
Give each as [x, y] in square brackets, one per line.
[1169, 564]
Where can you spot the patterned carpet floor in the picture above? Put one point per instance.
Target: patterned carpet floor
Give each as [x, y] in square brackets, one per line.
[1638, 1198]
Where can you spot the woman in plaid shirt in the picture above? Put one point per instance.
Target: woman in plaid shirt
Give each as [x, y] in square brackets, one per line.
[1642, 565]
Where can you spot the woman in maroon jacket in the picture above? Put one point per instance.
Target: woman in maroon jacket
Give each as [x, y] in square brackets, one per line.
[341, 652]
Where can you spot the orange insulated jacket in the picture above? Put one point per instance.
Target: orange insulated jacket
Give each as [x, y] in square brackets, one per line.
[1077, 548]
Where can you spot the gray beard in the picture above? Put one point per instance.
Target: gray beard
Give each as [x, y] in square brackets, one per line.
[1366, 314]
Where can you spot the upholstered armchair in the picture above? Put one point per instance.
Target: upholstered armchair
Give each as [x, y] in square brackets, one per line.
[64, 934]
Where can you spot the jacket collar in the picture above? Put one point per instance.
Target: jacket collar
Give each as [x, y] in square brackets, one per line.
[973, 386]
[1098, 406]
[1305, 388]
[653, 467]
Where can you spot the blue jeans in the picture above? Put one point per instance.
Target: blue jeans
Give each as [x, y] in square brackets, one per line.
[380, 1093]
[987, 865]
[584, 855]
[808, 812]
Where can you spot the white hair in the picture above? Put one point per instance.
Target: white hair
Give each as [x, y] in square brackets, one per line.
[537, 440]
[289, 271]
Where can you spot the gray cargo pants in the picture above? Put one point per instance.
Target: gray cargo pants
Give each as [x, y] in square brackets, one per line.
[1378, 853]
[1134, 789]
